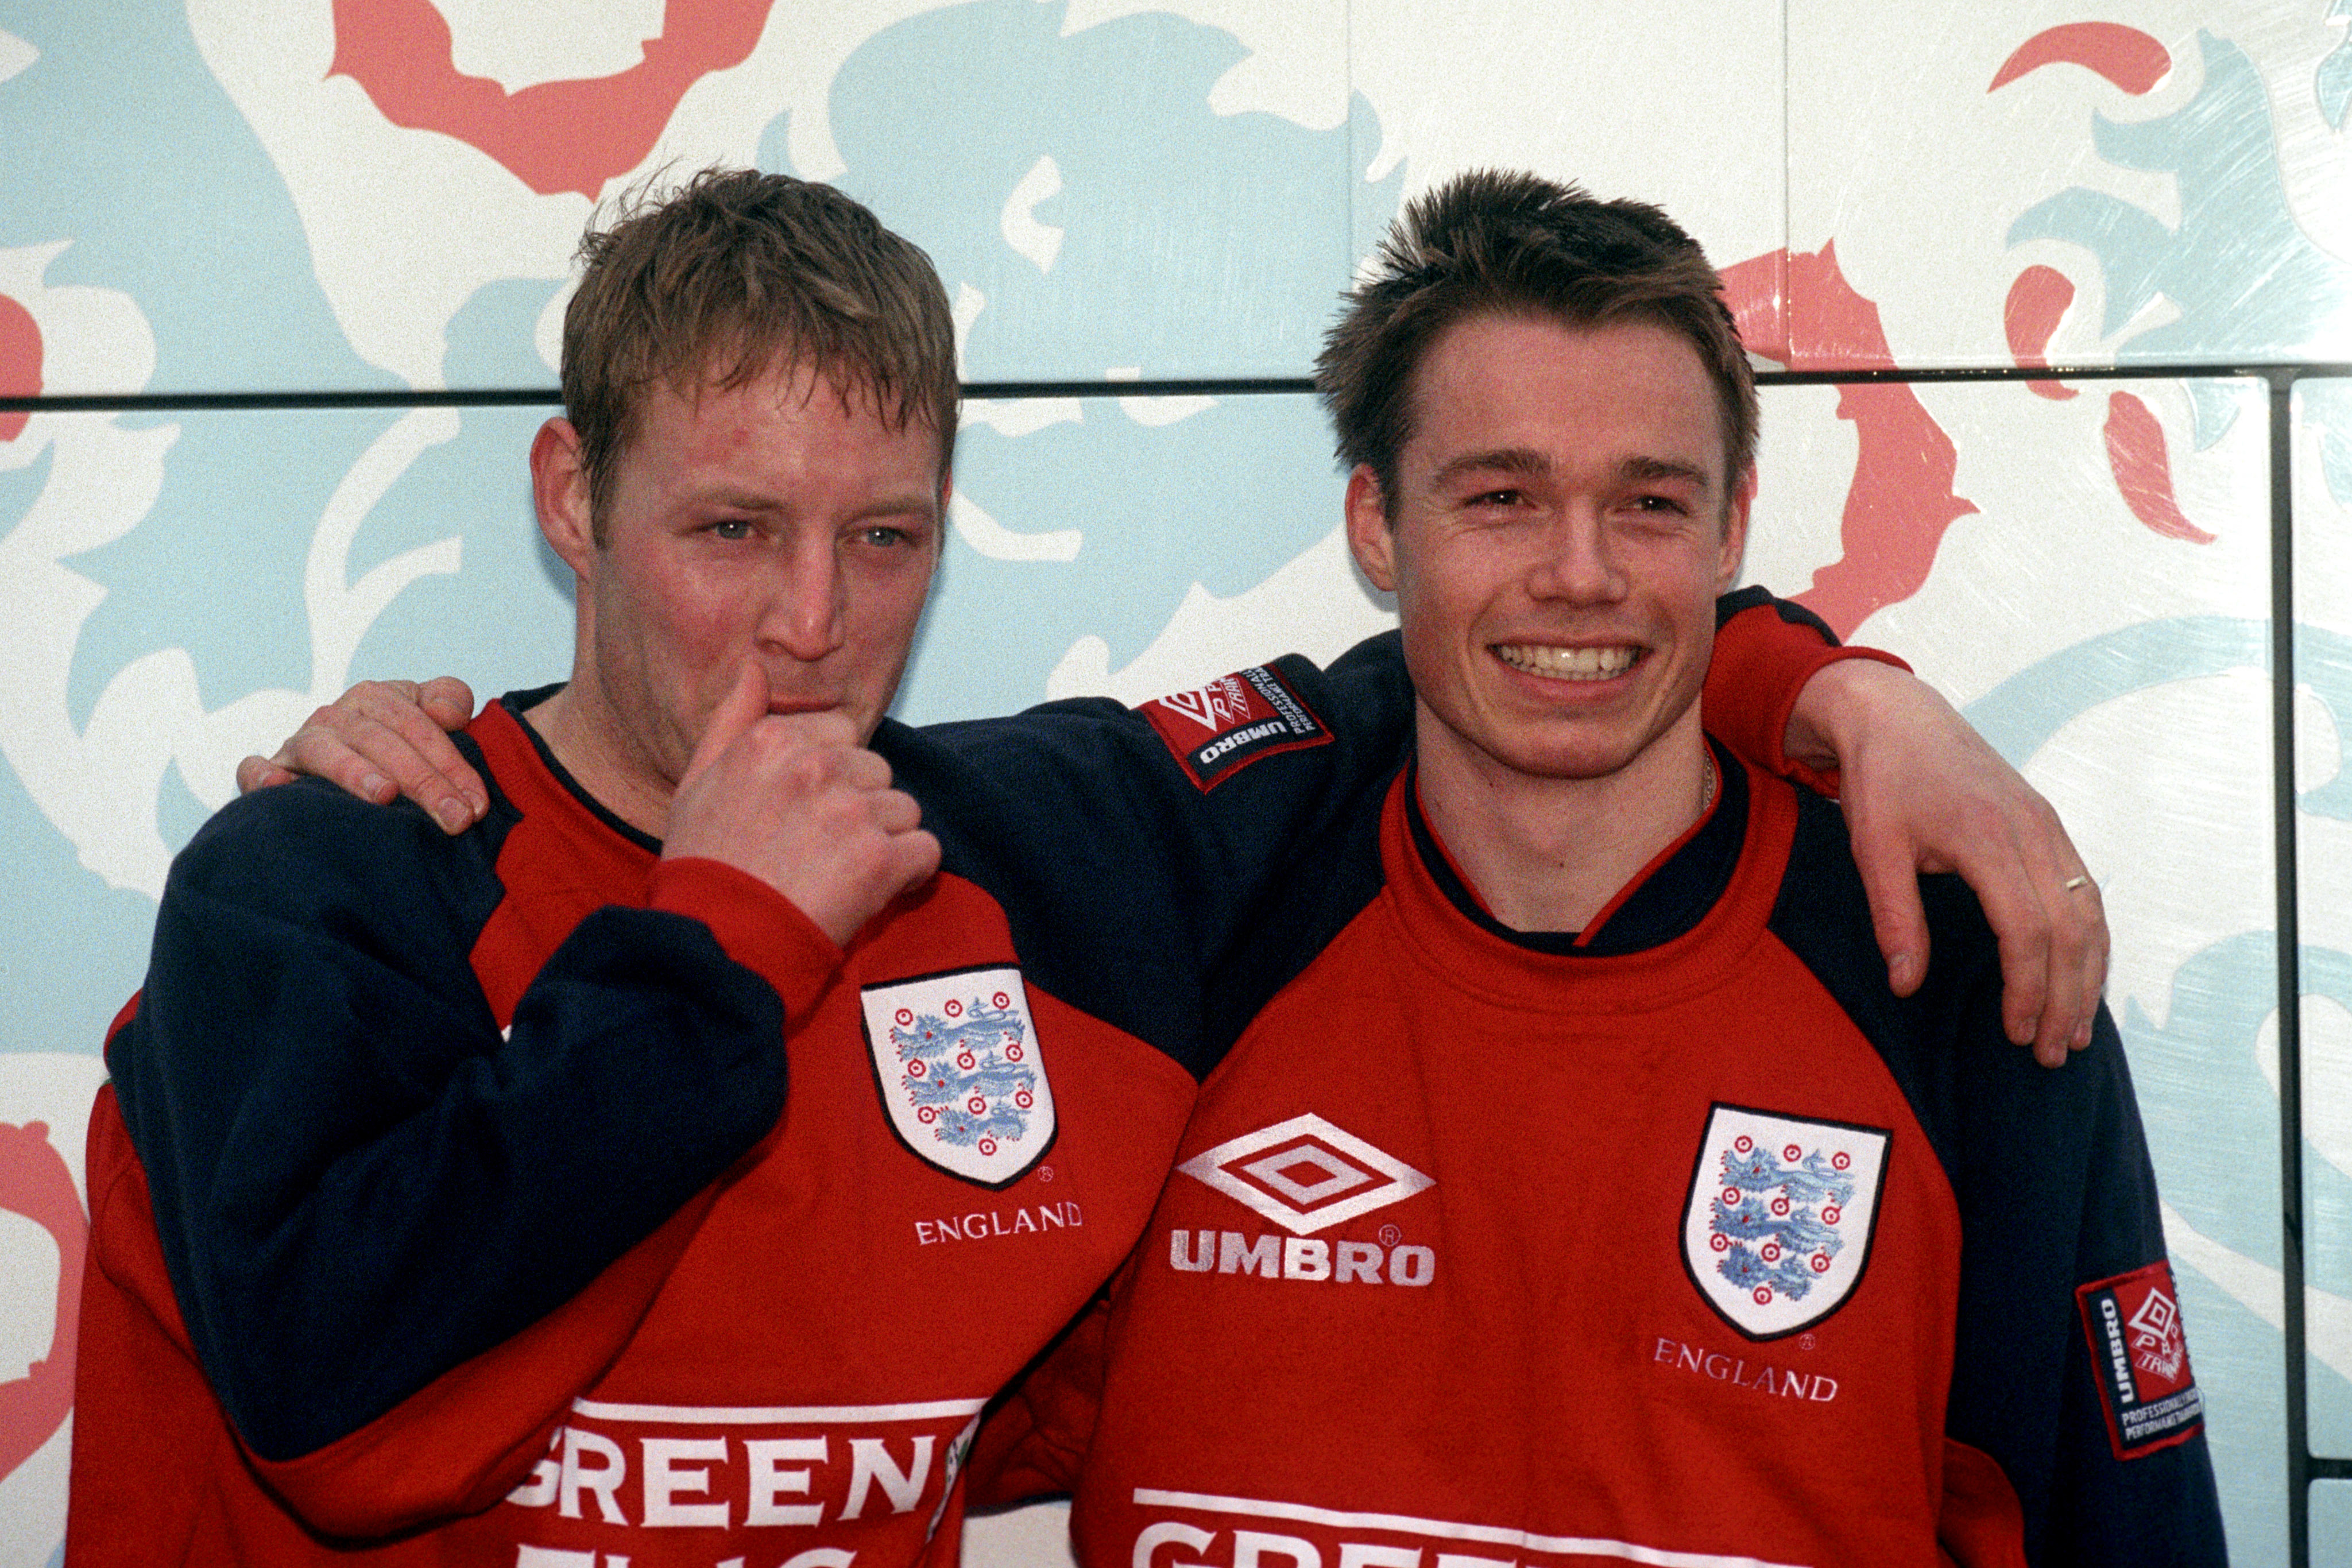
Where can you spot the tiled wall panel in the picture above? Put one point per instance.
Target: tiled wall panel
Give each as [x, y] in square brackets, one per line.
[2122, 669]
[304, 200]
[1677, 103]
[2323, 672]
[1113, 190]
[2162, 183]
[1134, 546]
[184, 588]
[2331, 1522]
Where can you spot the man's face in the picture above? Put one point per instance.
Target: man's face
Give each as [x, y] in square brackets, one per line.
[1562, 527]
[764, 524]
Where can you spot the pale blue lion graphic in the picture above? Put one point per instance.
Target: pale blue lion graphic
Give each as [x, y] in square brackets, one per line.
[1775, 1221]
[969, 1072]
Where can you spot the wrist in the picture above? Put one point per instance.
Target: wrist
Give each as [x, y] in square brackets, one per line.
[1842, 702]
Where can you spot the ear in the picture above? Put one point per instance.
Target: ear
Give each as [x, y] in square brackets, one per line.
[1735, 533]
[1370, 537]
[559, 492]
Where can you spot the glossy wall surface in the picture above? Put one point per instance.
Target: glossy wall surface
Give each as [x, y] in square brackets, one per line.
[281, 279]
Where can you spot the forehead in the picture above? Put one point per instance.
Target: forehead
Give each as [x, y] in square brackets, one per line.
[792, 418]
[1630, 389]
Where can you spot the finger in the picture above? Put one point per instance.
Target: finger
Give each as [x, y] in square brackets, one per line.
[822, 730]
[1890, 880]
[379, 746]
[2063, 1014]
[2092, 964]
[318, 749]
[448, 700]
[917, 855]
[259, 773]
[2079, 945]
[2016, 890]
[2069, 905]
[858, 768]
[409, 740]
[2021, 921]
[745, 704]
[896, 811]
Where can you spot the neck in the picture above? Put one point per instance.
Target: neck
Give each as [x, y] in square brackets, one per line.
[1546, 853]
[569, 722]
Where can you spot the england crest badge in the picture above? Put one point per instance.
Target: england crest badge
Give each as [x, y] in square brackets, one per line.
[955, 1056]
[1777, 1225]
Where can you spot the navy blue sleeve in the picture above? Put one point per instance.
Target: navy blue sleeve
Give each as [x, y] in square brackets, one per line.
[1751, 598]
[2057, 1197]
[357, 1181]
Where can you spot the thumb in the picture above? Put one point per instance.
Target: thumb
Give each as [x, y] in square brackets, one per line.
[737, 712]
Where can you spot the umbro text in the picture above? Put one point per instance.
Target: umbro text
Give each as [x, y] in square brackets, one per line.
[1276, 1257]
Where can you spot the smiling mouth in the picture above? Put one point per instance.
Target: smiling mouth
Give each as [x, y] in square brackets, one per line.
[1568, 663]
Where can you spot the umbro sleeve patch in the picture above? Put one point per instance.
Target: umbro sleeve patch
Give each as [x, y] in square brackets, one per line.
[1216, 729]
[2140, 1357]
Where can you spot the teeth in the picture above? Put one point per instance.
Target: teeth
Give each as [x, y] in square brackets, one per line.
[1567, 664]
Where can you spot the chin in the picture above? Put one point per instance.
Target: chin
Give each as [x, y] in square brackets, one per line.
[1555, 760]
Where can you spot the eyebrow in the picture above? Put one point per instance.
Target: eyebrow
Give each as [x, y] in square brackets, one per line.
[912, 503]
[1520, 460]
[1640, 468]
[1529, 463]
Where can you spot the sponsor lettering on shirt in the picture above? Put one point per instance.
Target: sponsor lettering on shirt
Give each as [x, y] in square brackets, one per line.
[1201, 1529]
[613, 1467]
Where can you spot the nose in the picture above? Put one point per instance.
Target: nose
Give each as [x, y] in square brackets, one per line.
[1575, 561]
[806, 612]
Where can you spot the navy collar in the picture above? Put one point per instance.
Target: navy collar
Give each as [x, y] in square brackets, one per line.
[1672, 899]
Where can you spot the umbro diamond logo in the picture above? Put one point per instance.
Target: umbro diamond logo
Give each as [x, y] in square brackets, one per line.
[1306, 1175]
[1215, 707]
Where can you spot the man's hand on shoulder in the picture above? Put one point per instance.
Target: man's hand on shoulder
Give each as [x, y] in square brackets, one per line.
[1923, 792]
[384, 740]
[796, 801]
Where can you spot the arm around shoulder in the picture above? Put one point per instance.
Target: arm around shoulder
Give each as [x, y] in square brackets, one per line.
[2072, 1367]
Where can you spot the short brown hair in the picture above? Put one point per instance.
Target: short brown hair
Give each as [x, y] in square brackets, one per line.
[734, 273]
[1491, 243]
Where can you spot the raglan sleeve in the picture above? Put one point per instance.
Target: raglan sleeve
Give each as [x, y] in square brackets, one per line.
[2071, 1376]
[398, 1236]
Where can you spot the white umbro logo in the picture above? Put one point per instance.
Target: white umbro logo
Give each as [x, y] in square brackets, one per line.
[1306, 1175]
[1214, 706]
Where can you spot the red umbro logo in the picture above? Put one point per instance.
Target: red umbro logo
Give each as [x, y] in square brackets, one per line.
[1215, 729]
[2140, 1355]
